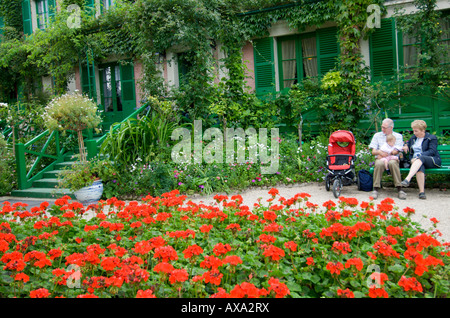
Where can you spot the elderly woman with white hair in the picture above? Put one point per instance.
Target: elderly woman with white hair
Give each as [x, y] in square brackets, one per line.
[423, 153]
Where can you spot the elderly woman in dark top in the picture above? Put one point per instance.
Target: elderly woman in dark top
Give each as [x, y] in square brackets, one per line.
[423, 153]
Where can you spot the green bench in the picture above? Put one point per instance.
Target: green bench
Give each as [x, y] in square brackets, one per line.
[444, 152]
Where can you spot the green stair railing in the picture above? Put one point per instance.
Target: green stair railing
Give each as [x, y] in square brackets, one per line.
[93, 145]
[26, 178]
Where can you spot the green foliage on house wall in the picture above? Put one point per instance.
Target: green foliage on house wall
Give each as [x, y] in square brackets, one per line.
[147, 29]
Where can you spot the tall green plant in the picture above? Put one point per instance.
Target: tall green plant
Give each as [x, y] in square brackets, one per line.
[144, 139]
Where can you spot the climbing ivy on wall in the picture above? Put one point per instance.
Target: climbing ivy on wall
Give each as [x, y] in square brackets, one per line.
[147, 29]
[424, 26]
[11, 11]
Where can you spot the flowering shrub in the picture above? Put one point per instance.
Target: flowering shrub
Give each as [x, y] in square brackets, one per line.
[167, 247]
[305, 164]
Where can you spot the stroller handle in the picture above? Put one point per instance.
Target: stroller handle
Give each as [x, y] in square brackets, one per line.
[342, 155]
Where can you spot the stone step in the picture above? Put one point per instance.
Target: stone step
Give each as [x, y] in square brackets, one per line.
[42, 193]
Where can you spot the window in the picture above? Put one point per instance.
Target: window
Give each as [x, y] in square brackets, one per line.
[111, 88]
[410, 48]
[184, 66]
[106, 4]
[306, 56]
[297, 59]
[445, 36]
[117, 90]
[44, 12]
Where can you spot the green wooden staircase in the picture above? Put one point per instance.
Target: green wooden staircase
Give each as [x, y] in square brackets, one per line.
[37, 169]
[46, 187]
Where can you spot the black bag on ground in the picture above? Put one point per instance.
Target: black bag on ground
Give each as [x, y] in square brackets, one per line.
[365, 180]
[404, 161]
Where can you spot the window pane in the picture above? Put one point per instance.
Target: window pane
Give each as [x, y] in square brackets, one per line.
[309, 47]
[107, 91]
[108, 4]
[445, 37]
[445, 27]
[42, 14]
[118, 88]
[409, 56]
[289, 64]
[409, 51]
[309, 51]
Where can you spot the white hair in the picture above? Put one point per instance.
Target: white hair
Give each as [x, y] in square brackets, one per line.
[389, 121]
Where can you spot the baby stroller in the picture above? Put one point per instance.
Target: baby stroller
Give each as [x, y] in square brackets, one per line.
[340, 161]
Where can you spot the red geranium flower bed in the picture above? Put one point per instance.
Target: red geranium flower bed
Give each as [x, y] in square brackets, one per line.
[169, 246]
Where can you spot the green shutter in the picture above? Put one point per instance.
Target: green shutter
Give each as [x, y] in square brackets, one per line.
[88, 85]
[26, 17]
[327, 49]
[264, 66]
[383, 61]
[127, 87]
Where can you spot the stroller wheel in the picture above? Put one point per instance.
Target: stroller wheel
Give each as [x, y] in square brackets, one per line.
[328, 182]
[337, 186]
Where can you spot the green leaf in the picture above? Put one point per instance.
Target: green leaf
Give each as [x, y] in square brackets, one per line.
[396, 268]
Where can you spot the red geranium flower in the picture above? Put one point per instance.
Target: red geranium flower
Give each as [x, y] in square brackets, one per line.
[291, 245]
[357, 262]
[39, 293]
[166, 253]
[205, 228]
[178, 276]
[232, 260]
[22, 276]
[375, 292]
[163, 267]
[275, 253]
[110, 263]
[280, 289]
[193, 250]
[345, 293]
[335, 268]
[410, 284]
[148, 293]
[221, 249]
[213, 277]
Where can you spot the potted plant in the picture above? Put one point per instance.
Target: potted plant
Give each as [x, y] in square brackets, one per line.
[76, 112]
[72, 112]
[85, 179]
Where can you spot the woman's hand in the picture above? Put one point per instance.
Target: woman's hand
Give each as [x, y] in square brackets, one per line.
[405, 148]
